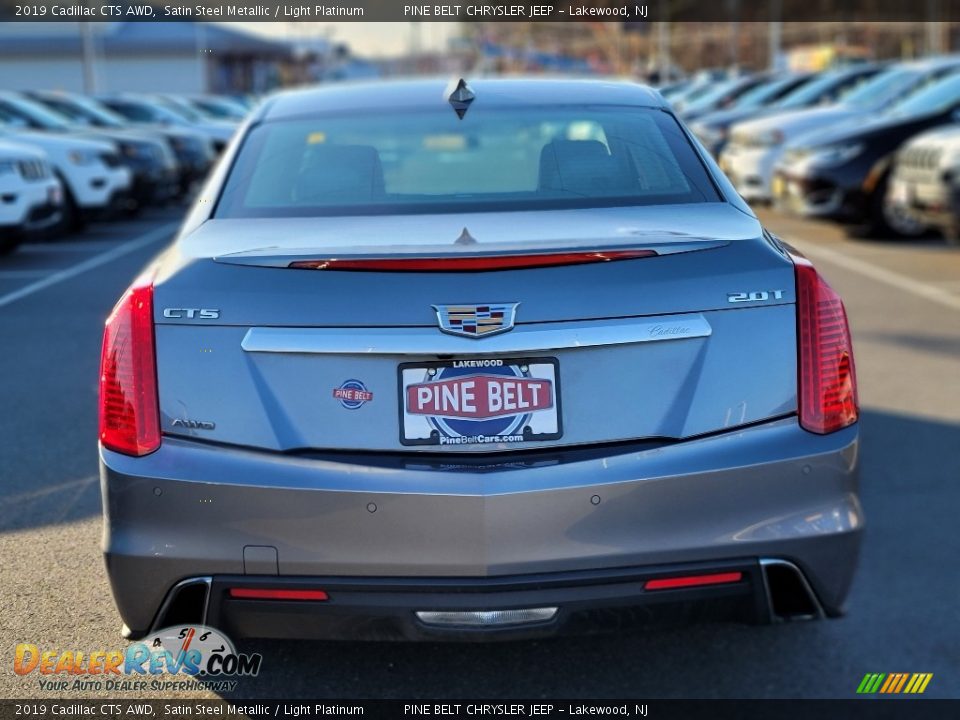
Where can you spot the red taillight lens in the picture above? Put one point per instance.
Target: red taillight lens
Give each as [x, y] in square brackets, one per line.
[827, 380]
[129, 413]
[277, 594]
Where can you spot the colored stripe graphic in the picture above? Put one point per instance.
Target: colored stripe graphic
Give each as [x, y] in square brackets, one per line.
[870, 683]
[918, 683]
[891, 680]
[894, 683]
[903, 680]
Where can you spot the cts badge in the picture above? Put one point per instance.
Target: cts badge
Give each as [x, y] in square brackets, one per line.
[191, 313]
[476, 321]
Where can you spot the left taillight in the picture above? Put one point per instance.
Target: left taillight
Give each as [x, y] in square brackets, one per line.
[129, 410]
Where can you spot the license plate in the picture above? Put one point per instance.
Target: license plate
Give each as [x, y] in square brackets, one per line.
[480, 402]
[55, 196]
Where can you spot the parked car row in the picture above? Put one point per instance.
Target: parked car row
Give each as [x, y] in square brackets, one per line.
[67, 158]
[875, 146]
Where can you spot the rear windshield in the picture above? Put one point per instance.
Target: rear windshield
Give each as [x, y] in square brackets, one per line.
[491, 160]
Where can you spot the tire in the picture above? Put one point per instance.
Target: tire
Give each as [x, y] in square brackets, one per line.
[885, 221]
[73, 220]
[8, 246]
[132, 210]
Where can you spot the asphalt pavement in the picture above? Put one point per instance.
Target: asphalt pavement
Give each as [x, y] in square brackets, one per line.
[904, 304]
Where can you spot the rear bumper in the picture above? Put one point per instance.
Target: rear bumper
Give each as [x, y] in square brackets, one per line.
[192, 510]
[433, 609]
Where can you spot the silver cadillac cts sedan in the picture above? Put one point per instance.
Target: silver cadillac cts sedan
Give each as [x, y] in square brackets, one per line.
[479, 360]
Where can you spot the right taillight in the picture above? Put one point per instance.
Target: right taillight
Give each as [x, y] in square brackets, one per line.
[129, 412]
[827, 379]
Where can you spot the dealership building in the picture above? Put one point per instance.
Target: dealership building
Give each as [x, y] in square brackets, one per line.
[180, 57]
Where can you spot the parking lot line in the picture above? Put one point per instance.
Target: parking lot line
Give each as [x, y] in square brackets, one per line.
[875, 272]
[159, 233]
[77, 486]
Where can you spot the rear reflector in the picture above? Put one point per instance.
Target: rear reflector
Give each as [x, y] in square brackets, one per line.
[826, 376]
[693, 581]
[277, 594]
[471, 263]
[129, 414]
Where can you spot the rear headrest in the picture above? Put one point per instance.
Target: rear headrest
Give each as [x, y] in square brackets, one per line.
[341, 173]
[579, 166]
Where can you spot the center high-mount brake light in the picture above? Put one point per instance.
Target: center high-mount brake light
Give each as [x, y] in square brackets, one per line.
[827, 382]
[129, 413]
[471, 263]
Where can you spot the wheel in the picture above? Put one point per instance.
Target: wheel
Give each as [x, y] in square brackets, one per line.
[886, 220]
[900, 223]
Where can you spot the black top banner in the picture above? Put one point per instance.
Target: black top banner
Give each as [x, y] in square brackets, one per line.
[509, 11]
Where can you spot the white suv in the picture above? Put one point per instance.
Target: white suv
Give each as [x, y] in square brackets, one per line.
[31, 197]
[95, 181]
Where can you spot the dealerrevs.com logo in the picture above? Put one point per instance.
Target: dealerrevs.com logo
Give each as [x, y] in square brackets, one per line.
[186, 657]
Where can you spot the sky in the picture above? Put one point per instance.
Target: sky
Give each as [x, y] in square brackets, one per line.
[367, 39]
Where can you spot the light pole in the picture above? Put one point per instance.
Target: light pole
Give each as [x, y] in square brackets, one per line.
[775, 36]
[87, 49]
[663, 41]
[934, 28]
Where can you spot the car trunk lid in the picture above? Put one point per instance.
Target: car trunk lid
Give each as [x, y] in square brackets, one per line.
[698, 337]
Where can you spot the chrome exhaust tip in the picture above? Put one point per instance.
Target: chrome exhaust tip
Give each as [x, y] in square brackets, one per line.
[789, 595]
[186, 604]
